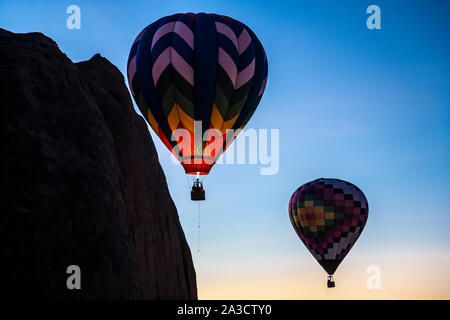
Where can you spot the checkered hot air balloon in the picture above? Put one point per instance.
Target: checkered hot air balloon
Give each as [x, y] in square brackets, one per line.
[197, 72]
[328, 216]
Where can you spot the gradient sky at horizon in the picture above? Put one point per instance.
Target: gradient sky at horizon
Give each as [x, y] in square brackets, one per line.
[368, 106]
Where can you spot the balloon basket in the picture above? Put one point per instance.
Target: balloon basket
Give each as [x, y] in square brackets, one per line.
[197, 192]
[330, 282]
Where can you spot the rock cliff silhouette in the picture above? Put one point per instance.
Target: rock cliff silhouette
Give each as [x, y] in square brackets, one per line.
[81, 183]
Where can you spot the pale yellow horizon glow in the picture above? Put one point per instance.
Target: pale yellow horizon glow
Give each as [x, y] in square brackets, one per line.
[407, 275]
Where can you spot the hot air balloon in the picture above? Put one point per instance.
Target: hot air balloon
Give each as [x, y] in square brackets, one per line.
[328, 216]
[197, 79]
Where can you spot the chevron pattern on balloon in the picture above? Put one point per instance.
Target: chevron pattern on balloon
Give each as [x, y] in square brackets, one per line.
[197, 67]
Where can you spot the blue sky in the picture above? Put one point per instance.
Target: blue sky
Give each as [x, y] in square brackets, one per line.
[368, 106]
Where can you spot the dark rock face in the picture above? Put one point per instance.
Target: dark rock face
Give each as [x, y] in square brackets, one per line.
[81, 183]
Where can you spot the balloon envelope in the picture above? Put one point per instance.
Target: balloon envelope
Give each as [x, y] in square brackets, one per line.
[328, 216]
[203, 73]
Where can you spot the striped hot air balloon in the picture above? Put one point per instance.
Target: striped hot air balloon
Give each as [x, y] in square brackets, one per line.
[328, 216]
[197, 72]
